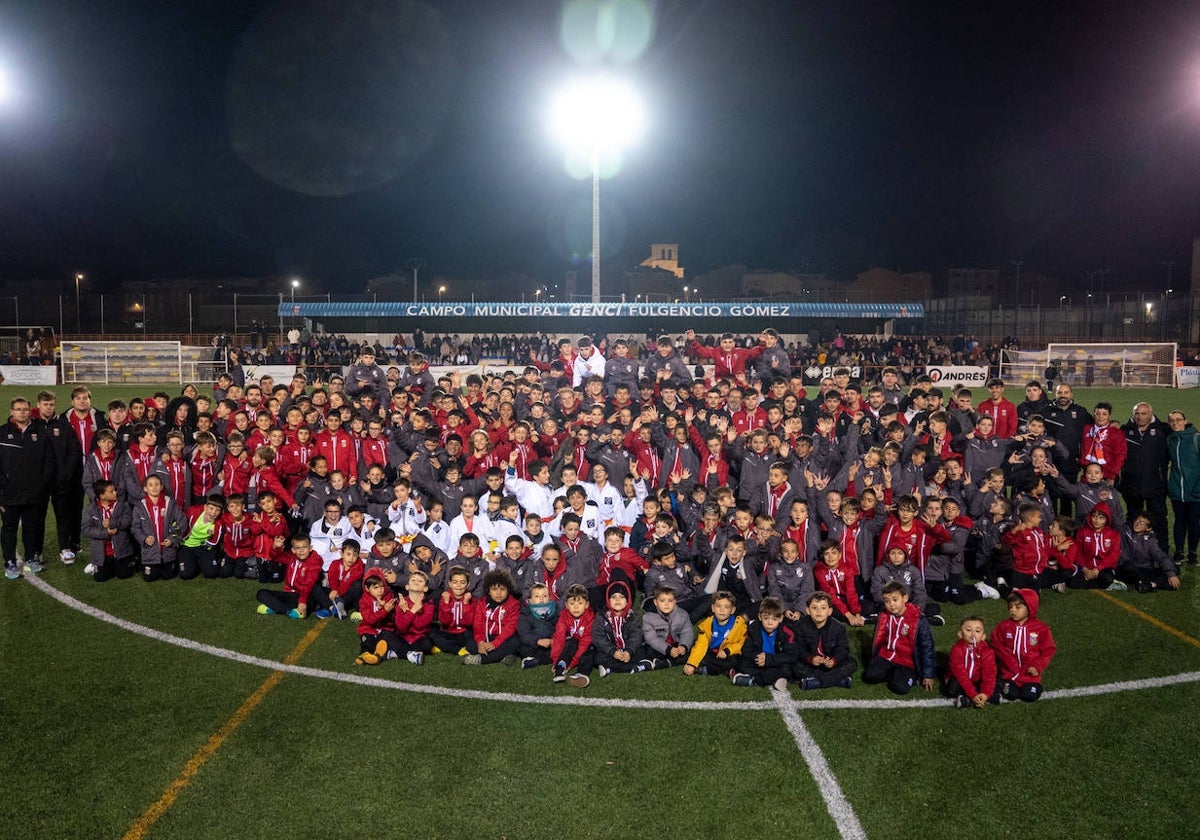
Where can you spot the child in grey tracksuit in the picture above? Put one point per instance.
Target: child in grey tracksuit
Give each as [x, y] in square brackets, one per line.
[668, 632]
[1143, 564]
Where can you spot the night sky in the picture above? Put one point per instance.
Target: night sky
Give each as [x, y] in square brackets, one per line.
[336, 140]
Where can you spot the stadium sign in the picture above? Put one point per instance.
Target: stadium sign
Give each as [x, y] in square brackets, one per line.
[761, 311]
[946, 375]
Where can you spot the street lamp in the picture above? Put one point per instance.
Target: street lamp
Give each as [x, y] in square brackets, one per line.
[593, 117]
[78, 322]
[441, 289]
[686, 294]
[295, 286]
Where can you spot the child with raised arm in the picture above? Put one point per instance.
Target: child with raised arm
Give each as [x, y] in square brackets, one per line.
[971, 681]
[769, 655]
[414, 617]
[822, 647]
[455, 615]
[1024, 647]
[902, 652]
[719, 639]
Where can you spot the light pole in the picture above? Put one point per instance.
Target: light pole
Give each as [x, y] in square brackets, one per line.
[596, 117]
[441, 289]
[78, 321]
[295, 286]
[1017, 298]
[686, 295]
[414, 265]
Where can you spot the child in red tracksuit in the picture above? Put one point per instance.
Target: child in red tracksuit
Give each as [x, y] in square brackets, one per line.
[238, 540]
[455, 615]
[414, 617]
[834, 578]
[345, 579]
[377, 606]
[902, 653]
[1030, 549]
[496, 621]
[1024, 647]
[269, 529]
[1099, 550]
[301, 585]
[971, 681]
[572, 643]
[618, 563]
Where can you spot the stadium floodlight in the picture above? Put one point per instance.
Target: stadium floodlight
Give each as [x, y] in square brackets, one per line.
[596, 116]
[6, 91]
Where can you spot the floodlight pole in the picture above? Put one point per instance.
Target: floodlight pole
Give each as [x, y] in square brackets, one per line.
[595, 226]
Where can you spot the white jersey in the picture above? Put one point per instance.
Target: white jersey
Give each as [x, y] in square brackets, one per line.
[327, 539]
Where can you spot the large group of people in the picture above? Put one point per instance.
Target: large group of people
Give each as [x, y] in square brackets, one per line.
[601, 511]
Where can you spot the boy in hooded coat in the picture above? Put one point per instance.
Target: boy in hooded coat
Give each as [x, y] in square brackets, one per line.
[1024, 647]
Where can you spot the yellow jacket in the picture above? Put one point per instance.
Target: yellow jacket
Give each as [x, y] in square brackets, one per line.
[734, 639]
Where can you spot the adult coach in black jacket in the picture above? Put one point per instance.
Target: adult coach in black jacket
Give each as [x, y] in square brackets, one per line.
[1144, 476]
[26, 472]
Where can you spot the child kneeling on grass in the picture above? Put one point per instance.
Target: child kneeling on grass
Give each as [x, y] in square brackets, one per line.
[902, 653]
[719, 638]
[302, 588]
[572, 645]
[616, 633]
[158, 526]
[106, 524]
[455, 615]
[822, 647]
[495, 621]
[414, 617]
[1024, 647]
[971, 681]
[769, 654]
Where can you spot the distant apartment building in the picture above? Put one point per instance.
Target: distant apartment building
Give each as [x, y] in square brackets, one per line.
[664, 257]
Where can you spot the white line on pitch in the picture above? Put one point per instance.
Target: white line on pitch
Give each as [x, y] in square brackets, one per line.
[835, 800]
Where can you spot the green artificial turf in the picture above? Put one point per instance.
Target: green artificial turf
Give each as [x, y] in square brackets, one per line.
[99, 721]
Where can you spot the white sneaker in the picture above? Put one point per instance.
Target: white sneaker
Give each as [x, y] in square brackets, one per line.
[989, 592]
[415, 657]
[781, 684]
[1117, 586]
[89, 569]
[67, 557]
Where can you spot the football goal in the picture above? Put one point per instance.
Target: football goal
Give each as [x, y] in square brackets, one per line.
[1100, 365]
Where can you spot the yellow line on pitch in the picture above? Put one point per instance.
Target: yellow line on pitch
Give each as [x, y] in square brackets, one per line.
[164, 802]
[1144, 616]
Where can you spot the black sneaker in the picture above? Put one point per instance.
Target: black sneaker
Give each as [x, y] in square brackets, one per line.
[937, 621]
[845, 682]
[560, 672]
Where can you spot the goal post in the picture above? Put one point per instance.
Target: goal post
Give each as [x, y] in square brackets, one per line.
[1102, 365]
[116, 362]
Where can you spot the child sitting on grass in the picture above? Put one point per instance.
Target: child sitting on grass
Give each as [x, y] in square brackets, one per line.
[902, 652]
[345, 579]
[414, 617]
[769, 655]
[971, 681]
[836, 580]
[719, 639]
[572, 645]
[536, 628]
[302, 588]
[822, 647]
[455, 615]
[1024, 647]
[668, 632]
[616, 633]
[376, 636]
[496, 621]
[1144, 565]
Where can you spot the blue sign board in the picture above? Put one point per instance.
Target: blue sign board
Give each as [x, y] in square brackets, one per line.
[395, 309]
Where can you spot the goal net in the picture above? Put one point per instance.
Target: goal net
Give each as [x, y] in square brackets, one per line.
[1100, 365]
[114, 362]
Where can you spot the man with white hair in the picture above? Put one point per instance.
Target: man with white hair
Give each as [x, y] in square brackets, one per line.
[1144, 477]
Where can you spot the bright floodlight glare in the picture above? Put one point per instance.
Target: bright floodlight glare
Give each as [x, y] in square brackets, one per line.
[597, 114]
[6, 92]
